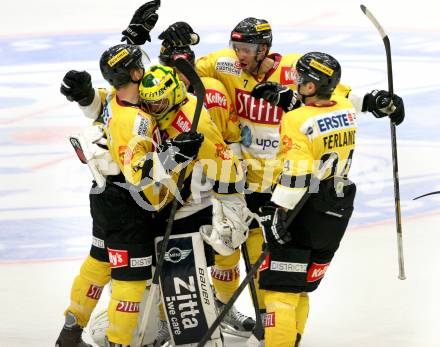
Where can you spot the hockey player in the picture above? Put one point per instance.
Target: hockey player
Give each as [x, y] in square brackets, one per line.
[225, 273]
[243, 68]
[120, 226]
[301, 252]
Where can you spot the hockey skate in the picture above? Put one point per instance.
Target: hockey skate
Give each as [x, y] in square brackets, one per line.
[235, 323]
[70, 335]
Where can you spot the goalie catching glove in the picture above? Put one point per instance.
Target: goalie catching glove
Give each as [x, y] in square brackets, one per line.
[379, 103]
[230, 224]
[273, 221]
[278, 95]
[143, 21]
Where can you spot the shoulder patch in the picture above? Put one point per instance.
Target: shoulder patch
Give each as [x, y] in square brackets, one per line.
[141, 126]
[228, 65]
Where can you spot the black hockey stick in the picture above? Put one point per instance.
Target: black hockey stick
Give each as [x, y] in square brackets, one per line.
[250, 275]
[386, 42]
[186, 68]
[259, 329]
[427, 194]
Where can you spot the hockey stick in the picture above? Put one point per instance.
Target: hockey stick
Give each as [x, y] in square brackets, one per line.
[427, 194]
[258, 332]
[386, 42]
[186, 68]
[250, 275]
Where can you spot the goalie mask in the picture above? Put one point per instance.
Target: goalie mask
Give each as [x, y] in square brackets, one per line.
[321, 69]
[161, 91]
[117, 62]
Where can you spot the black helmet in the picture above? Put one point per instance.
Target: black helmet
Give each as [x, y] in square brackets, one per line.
[253, 30]
[117, 62]
[169, 54]
[321, 69]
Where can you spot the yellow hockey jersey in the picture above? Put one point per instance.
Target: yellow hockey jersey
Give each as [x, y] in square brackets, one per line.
[259, 120]
[220, 108]
[131, 135]
[220, 167]
[309, 135]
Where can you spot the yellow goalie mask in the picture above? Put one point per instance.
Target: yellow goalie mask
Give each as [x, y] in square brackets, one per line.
[161, 90]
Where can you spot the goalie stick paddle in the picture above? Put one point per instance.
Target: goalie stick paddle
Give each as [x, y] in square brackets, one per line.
[186, 68]
[250, 275]
[386, 42]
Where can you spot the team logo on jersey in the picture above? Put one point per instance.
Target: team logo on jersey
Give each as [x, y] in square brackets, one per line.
[125, 154]
[256, 110]
[287, 75]
[175, 254]
[141, 126]
[181, 122]
[316, 271]
[213, 98]
[117, 257]
[222, 151]
[229, 66]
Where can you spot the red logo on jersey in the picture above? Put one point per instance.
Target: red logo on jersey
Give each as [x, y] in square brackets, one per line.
[269, 320]
[117, 257]
[256, 110]
[94, 292]
[181, 122]
[214, 98]
[222, 151]
[128, 306]
[287, 75]
[265, 264]
[316, 271]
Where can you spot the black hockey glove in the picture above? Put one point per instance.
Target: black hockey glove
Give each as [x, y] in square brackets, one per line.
[77, 86]
[273, 221]
[278, 95]
[179, 34]
[378, 101]
[144, 19]
[184, 147]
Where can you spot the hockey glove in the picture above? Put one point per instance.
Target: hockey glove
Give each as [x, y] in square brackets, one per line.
[143, 21]
[77, 86]
[179, 34]
[278, 95]
[184, 147]
[273, 222]
[378, 102]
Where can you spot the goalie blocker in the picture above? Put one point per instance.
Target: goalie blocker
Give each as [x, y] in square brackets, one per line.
[186, 292]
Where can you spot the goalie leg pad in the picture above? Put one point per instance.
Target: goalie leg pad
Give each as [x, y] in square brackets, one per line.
[87, 288]
[186, 292]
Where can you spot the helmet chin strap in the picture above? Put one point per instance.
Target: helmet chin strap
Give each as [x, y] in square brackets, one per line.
[259, 62]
